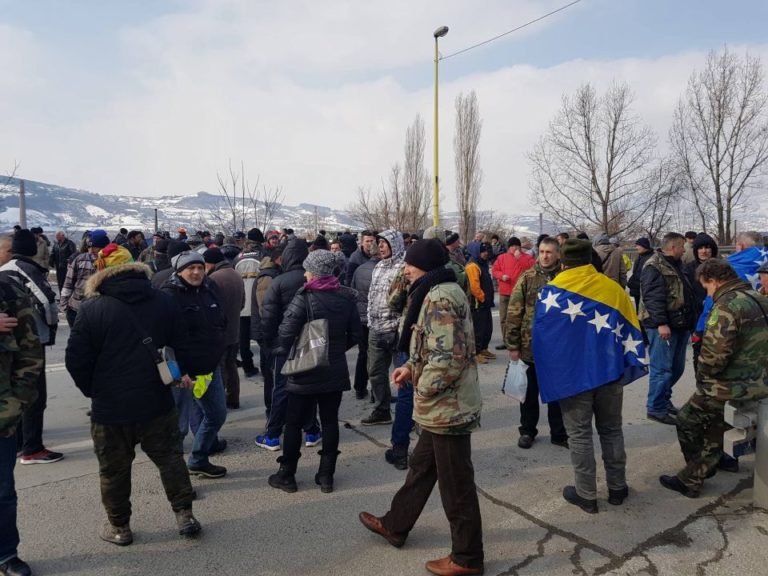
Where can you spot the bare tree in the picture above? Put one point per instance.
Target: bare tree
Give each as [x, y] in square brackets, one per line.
[404, 200]
[469, 175]
[265, 203]
[665, 190]
[592, 166]
[490, 222]
[417, 195]
[720, 137]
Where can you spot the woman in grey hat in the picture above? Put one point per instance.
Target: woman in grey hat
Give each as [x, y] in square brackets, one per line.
[321, 297]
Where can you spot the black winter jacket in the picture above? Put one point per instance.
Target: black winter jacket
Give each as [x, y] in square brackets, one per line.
[105, 355]
[361, 282]
[61, 254]
[273, 271]
[344, 332]
[690, 269]
[357, 259]
[204, 321]
[281, 292]
[655, 297]
[637, 270]
[161, 277]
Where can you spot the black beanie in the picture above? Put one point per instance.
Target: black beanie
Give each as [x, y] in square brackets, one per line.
[176, 247]
[427, 255]
[451, 238]
[255, 235]
[213, 256]
[576, 253]
[161, 246]
[513, 241]
[24, 243]
[320, 243]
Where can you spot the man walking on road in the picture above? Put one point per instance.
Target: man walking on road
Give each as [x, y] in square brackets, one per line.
[21, 362]
[112, 355]
[63, 250]
[447, 406]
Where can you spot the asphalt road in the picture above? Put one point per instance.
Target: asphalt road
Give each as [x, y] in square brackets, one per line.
[249, 528]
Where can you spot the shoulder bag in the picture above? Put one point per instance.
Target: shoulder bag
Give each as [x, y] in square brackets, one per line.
[310, 350]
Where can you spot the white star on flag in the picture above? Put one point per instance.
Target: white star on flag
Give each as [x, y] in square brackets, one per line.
[618, 329]
[630, 345]
[643, 360]
[600, 321]
[550, 301]
[574, 309]
[754, 280]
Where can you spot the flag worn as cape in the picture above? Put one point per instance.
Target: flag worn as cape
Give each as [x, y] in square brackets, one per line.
[745, 263]
[585, 334]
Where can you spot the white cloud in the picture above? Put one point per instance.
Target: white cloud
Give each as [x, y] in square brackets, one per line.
[269, 83]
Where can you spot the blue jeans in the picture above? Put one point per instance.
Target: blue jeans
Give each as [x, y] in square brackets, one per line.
[403, 422]
[9, 533]
[667, 364]
[276, 420]
[214, 413]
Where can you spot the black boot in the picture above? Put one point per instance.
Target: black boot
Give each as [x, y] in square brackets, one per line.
[285, 479]
[326, 470]
[397, 456]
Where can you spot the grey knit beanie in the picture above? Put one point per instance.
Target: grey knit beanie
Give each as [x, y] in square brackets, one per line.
[181, 261]
[321, 263]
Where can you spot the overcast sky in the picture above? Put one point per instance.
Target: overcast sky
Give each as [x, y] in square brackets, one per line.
[152, 97]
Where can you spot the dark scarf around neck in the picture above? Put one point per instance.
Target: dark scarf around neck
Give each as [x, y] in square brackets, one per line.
[416, 294]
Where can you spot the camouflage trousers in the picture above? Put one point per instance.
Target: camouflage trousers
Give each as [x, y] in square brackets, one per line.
[115, 449]
[700, 429]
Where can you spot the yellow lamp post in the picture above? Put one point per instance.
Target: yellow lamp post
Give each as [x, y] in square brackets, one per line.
[439, 33]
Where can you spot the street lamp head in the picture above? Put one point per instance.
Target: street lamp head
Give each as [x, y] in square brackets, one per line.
[440, 32]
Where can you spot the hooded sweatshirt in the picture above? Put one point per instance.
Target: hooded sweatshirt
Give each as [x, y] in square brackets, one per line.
[381, 318]
[611, 259]
[689, 269]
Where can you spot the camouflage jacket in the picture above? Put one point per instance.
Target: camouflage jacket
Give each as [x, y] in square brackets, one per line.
[446, 394]
[21, 357]
[522, 305]
[734, 348]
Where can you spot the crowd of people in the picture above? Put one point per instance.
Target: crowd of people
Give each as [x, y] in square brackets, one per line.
[583, 317]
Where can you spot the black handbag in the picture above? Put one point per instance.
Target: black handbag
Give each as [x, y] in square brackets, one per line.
[310, 350]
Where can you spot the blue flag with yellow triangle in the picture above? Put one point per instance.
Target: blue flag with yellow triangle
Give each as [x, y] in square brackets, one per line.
[585, 334]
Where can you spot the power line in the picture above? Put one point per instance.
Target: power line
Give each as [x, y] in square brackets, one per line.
[510, 31]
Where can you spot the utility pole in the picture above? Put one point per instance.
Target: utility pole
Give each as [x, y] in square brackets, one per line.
[22, 205]
[541, 223]
[156, 228]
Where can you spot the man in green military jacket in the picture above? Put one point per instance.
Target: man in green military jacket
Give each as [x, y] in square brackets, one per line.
[522, 304]
[732, 367]
[21, 361]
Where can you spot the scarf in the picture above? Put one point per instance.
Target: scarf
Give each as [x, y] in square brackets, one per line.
[416, 294]
[323, 283]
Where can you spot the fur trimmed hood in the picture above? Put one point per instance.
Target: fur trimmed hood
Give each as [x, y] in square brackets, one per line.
[93, 285]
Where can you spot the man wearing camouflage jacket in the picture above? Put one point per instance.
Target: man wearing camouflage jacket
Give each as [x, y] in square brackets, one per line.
[517, 337]
[441, 365]
[21, 361]
[732, 367]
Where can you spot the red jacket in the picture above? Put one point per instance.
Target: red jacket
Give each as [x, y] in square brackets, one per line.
[511, 265]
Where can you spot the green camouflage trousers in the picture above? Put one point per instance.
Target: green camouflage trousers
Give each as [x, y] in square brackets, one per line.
[700, 429]
[115, 449]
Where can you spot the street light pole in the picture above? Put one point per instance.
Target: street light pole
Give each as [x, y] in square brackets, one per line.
[439, 33]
